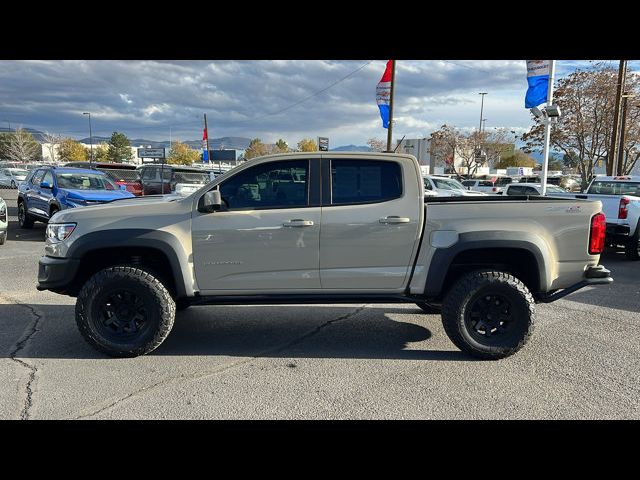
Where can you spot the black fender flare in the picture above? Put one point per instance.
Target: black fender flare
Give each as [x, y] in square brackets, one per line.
[160, 240]
[443, 257]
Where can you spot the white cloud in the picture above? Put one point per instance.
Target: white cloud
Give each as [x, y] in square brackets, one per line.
[256, 98]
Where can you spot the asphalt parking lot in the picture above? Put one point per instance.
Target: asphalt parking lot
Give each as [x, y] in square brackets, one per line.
[316, 362]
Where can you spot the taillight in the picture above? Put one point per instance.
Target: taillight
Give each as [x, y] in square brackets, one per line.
[622, 210]
[597, 233]
[494, 189]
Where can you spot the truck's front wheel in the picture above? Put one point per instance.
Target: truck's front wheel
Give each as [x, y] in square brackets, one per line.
[124, 311]
[489, 315]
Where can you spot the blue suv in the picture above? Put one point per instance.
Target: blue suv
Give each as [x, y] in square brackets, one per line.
[49, 189]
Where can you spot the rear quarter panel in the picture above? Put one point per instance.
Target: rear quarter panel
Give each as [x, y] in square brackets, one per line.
[559, 229]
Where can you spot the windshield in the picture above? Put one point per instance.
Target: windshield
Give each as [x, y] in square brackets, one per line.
[191, 177]
[553, 188]
[18, 173]
[447, 184]
[608, 187]
[85, 181]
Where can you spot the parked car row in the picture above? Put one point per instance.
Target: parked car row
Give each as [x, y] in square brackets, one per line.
[48, 190]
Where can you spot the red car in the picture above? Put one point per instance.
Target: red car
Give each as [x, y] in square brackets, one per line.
[120, 173]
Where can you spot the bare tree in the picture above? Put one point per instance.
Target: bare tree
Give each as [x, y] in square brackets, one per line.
[377, 145]
[583, 133]
[452, 147]
[52, 140]
[22, 147]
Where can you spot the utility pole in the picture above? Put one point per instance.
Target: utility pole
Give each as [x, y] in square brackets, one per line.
[393, 87]
[90, 140]
[206, 131]
[620, 165]
[612, 166]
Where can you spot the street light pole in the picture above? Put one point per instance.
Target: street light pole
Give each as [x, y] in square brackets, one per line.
[90, 140]
[481, 108]
[484, 124]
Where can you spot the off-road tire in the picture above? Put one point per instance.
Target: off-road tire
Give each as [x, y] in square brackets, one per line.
[469, 292]
[430, 309]
[155, 296]
[24, 219]
[632, 248]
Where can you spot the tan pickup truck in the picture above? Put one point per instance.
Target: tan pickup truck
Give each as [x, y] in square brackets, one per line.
[322, 227]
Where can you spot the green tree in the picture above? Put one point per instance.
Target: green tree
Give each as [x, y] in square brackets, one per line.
[518, 159]
[256, 149]
[182, 154]
[70, 150]
[307, 145]
[119, 148]
[101, 153]
[281, 146]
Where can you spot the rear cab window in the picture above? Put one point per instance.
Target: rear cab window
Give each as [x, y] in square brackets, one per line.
[611, 187]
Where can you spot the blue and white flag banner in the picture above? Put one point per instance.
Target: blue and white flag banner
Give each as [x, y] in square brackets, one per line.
[383, 93]
[538, 80]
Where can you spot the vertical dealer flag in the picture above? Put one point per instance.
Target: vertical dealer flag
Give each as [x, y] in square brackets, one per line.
[383, 92]
[205, 154]
[538, 80]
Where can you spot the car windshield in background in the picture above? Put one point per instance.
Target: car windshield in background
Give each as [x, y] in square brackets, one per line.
[191, 177]
[121, 175]
[85, 181]
[447, 184]
[615, 188]
[553, 188]
[18, 172]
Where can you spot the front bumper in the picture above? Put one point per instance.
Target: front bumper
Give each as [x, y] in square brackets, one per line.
[596, 275]
[56, 274]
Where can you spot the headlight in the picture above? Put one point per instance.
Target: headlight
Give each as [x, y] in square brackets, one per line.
[57, 232]
[3, 213]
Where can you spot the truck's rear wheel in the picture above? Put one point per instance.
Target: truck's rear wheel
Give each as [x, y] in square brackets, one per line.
[489, 315]
[632, 248]
[124, 311]
[428, 308]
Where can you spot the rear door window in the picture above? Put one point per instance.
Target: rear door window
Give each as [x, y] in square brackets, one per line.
[364, 181]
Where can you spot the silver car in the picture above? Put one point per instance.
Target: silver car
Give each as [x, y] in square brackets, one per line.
[11, 177]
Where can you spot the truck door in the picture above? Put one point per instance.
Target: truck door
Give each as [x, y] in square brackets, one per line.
[370, 223]
[267, 238]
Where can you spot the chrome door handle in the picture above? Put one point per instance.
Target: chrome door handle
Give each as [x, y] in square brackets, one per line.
[298, 222]
[395, 219]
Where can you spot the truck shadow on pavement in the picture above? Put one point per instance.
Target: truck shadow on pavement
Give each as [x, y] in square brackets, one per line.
[260, 331]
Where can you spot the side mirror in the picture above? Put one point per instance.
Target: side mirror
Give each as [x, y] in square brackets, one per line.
[123, 187]
[45, 185]
[210, 202]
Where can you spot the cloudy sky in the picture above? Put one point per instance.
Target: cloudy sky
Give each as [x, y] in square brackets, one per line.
[267, 99]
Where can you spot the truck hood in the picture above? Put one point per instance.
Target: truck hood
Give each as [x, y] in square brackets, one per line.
[94, 195]
[144, 208]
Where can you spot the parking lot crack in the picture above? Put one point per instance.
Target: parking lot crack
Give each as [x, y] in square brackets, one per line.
[15, 353]
[224, 368]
